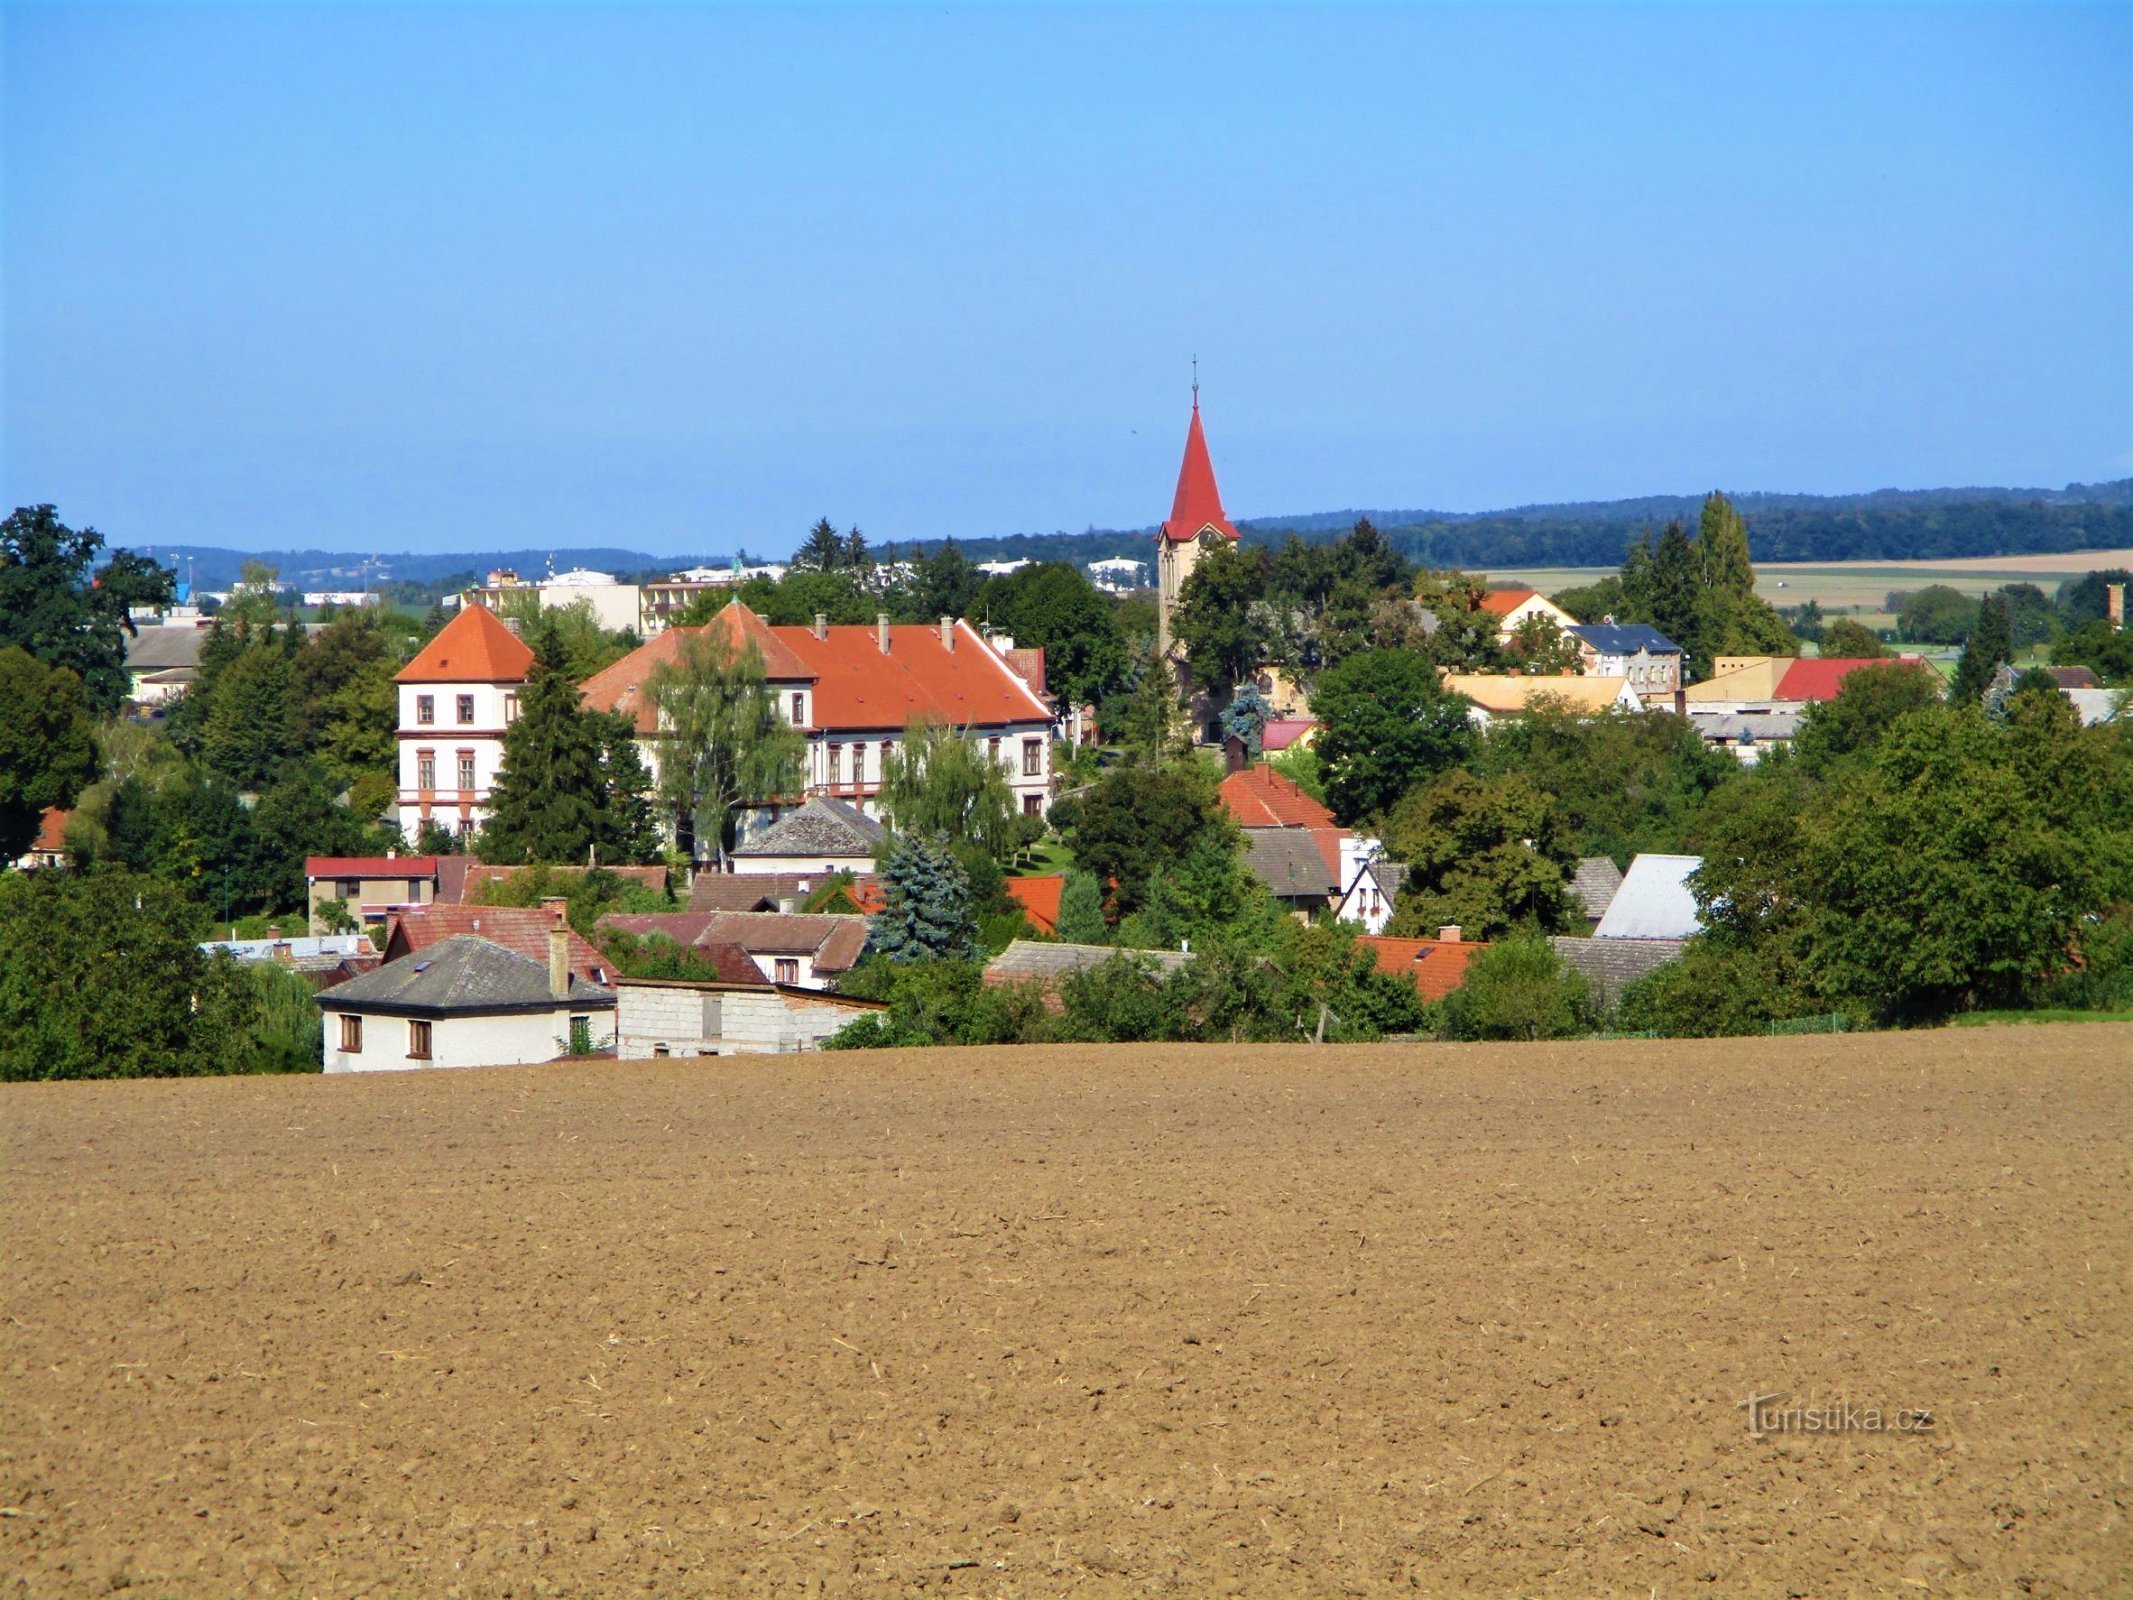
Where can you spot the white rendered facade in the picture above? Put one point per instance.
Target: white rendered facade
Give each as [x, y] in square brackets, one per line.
[451, 752]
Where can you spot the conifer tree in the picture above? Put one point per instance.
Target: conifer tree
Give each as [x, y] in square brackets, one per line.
[549, 800]
[1991, 644]
[1081, 910]
[247, 735]
[928, 916]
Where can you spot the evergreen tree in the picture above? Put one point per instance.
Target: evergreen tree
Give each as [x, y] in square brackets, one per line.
[823, 550]
[1722, 537]
[1246, 715]
[1990, 645]
[247, 735]
[1081, 910]
[549, 800]
[944, 584]
[928, 916]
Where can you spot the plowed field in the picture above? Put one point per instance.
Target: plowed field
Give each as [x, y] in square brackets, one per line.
[1100, 1321]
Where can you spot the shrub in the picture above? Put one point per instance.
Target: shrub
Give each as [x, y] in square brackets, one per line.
[1519, 990]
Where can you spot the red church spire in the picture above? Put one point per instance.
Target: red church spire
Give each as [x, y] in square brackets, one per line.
[1198, 505]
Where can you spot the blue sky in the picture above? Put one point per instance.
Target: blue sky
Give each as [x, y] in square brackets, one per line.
[684, 278]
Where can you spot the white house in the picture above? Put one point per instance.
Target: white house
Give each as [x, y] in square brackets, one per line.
[464, 1002]
[1513, 606]
[656, 1018]
[456, 698]
[1373, 885]
[1633, 650]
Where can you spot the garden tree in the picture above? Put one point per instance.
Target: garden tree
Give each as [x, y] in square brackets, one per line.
[1218, 619]
[942, 584]
[1620, 783]
[1081, 910]
[1752, 837]
[1147, 721]
[1662, 584]
[1937, 614]
[793, 601]
[1325, 973]
[1463, 637]
[587, 647]
[1053, 605]
[1847, 640]
[937, 781]
[297, 817]
[1540, 648]
[342, 703]
[1301, 766]
[1121, 1000]
[433, 838]
[587, 893]
[823, 550]
[556, 798]
[247, 735]
[2096, 644]
[1808, 623]
[1989, 647]
[1958, 864]
[725, 745]
[1135, 822]
[1518, 990]
[1713, 990]
[632, 834]
[1594, 601]
[928, 916]
[61, 608]
[1489, 855]
[1200, 897]
[1868, 703]
[1245, 716]
[47, 745]
[2030, 618]
[101, 976]
[1385, 724]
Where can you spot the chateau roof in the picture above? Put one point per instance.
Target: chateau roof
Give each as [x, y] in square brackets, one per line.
[1197, 505]
[474, 647]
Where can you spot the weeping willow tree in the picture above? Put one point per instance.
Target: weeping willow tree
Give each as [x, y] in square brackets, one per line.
[723, 745]
[940, 782]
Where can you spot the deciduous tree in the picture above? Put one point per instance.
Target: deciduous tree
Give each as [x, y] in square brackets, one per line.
[723, 745]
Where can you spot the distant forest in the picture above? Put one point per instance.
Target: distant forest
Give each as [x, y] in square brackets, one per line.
[1886, 525]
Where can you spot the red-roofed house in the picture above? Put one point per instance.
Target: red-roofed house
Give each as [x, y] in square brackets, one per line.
[853, 690]
[49, 848]
[1039, 899]
[1436, 966]
[1819, 678]
[456, 698]
[521, 928]
[1292, 843]
[1514, 605]
[372, 887]
[1196, 522]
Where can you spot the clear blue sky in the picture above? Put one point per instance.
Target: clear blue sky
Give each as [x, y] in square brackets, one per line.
[683, 278]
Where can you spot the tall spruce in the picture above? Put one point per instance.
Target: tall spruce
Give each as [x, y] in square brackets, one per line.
[549, 801]
[1990, 645]
[1081, 910]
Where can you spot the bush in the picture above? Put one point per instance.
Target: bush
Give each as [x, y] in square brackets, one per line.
[1519, 990]
[1713, 991]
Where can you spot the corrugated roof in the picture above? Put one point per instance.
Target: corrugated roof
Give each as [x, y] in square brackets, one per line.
[474, 647]
[824, 826]
[462, 973]
[1653, 901]
[1435, 966]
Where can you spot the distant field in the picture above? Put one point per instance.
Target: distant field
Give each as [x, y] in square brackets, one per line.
[1846, 585]
[1107, 1321]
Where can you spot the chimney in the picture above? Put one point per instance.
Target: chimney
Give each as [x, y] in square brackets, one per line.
[1235, 755]
[948, 634]
[558, 951]
[822, 625]
[881, 630]
[1681, 701]
[1449, 933]
[2114, 605]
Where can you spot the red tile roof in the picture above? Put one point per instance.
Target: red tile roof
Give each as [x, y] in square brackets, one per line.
[1198, 502]
[520, 928]
[1260, 797]
[1281, 732]
[1819, 678]
[1502, 602]
[51, 837]
[370, 866]
[1039, 899]
[857, 688]
[1437, 968]
[474, 647]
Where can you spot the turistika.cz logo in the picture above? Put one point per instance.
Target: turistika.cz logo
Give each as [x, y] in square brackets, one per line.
[1769, 1414]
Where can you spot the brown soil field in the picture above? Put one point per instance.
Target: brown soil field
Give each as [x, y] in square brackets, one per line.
[1361, 1321]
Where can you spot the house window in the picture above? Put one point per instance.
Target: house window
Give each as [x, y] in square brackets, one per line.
[418, 1041]
[510, 707]
[992, 748]
[836, 763]
[466, 769]
[466, 710]
[859, 763]
[425, 709]
[426, 770]
[788, 969]
[799, 710]
[1032, 805]
[351, 1035]
[1032, 758]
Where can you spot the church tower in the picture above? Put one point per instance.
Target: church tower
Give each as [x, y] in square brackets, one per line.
[1196, 523]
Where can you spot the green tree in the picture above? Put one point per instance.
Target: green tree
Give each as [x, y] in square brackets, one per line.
[1385, 724]
[551, 800]
[929, 915]
[1541, 648]
[2098, 645]
[1134, 823]
[1489, 855]
[1202, 897]
[942, 584]
[1217, 619]
[296, 817]
[1868, 703]
[1621, 783]
[61, 608]
[1713, 991]
[1054, 606]
[2030, 618]
[1081, 910]
[823, 550]
[1245, 716]
[1937, 614]
[937, 781]
[1847, 640]
[1122, 1000]
[1989, 647]
[247, 734]
[1518, 990]
[342, 703]
[724, 744]
[47, 745]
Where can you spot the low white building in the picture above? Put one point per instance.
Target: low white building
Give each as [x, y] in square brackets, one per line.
[465, 1002]
[1373, 885]
[660, 1017]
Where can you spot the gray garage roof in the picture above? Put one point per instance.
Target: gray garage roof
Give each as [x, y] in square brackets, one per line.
[465, 975]
[823, 827]
[1288, 862]
[160, 649]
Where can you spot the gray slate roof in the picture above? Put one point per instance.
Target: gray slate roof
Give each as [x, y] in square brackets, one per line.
[825, 826]
[159, 649]
[1595, 884]
[1027, 958]
[1611, 965]
[1654, 901]
[1760, 727]
[1287, 861]
[1624, 638]
[462, 974]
